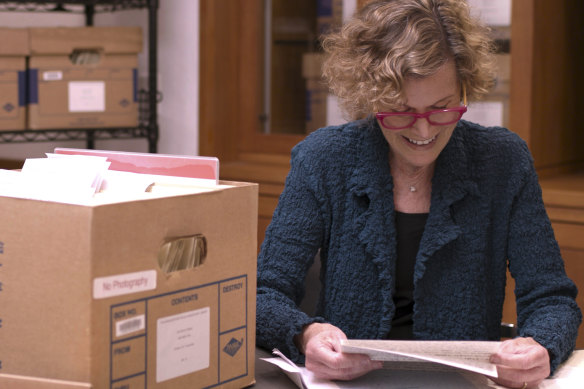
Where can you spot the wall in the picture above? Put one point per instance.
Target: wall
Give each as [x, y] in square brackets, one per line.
[179, 72]
[178, 76]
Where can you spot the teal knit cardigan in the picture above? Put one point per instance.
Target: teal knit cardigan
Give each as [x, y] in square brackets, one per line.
[486, 214]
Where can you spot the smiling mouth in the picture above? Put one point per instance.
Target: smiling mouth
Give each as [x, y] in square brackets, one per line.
[421, 142]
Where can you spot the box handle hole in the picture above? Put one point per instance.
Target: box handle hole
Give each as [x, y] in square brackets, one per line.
[85, 56]
[182, 253]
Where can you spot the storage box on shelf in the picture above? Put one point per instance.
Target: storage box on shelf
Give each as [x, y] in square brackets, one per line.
[13, 52]
[83, 77]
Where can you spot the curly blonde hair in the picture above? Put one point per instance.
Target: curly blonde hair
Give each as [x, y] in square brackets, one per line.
[389, 41]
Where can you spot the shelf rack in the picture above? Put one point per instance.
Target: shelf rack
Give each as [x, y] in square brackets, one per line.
[148, 99]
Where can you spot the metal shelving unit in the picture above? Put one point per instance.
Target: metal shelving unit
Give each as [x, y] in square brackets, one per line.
[148, 99]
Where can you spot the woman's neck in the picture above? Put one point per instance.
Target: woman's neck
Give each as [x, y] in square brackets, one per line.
[412, 186]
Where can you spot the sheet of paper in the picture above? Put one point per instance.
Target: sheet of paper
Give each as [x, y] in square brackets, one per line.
[468, 355]
[391, 377]
[9, 177]
[86, 168]
[124, 182]
[569, 375]
[68, 180]
[116, 182]
[416, 375]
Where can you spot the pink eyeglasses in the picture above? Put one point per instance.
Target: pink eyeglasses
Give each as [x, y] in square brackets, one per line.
[438, 117]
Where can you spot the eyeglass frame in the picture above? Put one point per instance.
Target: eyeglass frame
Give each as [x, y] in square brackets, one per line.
[426, 115]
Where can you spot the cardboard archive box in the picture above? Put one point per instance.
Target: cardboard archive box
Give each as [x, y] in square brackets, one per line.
[13, 52]
[83, 77]
[85, 304]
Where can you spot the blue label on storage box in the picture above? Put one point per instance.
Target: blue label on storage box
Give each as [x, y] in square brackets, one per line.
[33, 86]
[22, 88]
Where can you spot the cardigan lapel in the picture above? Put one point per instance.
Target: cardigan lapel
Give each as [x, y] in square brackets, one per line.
[451, 183]
[372, 189]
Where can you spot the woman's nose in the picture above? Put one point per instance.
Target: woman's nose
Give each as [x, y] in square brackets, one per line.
[423, 128]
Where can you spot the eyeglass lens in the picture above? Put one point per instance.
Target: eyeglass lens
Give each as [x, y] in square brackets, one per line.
[437, 118]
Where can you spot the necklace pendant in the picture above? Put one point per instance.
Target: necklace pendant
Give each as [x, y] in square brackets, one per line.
[412, 188]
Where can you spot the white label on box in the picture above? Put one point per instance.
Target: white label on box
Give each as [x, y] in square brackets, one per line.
[334, 114]
[183, 344]
[485, 113]
[492, 12]
[104, 287]
[128, 326]
[52, 75]
[86, 96]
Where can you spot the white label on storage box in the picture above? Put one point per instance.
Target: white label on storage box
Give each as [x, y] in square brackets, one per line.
[487, 113]
[120, 284]
[182, 344]
[52, 75]
[86, 96]
[492, 12]
[128, 326]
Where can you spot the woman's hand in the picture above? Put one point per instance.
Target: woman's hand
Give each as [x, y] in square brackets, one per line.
[321, 344]
[521, 363]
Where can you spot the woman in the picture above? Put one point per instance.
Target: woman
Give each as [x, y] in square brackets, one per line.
[416, 213]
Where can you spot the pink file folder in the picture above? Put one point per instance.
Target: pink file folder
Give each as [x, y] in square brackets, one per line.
[158, 164]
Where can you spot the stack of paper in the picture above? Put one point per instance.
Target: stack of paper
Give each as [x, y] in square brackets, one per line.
[70, 179]
[87, 178]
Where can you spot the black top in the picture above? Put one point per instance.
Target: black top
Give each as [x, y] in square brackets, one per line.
[409, 227]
